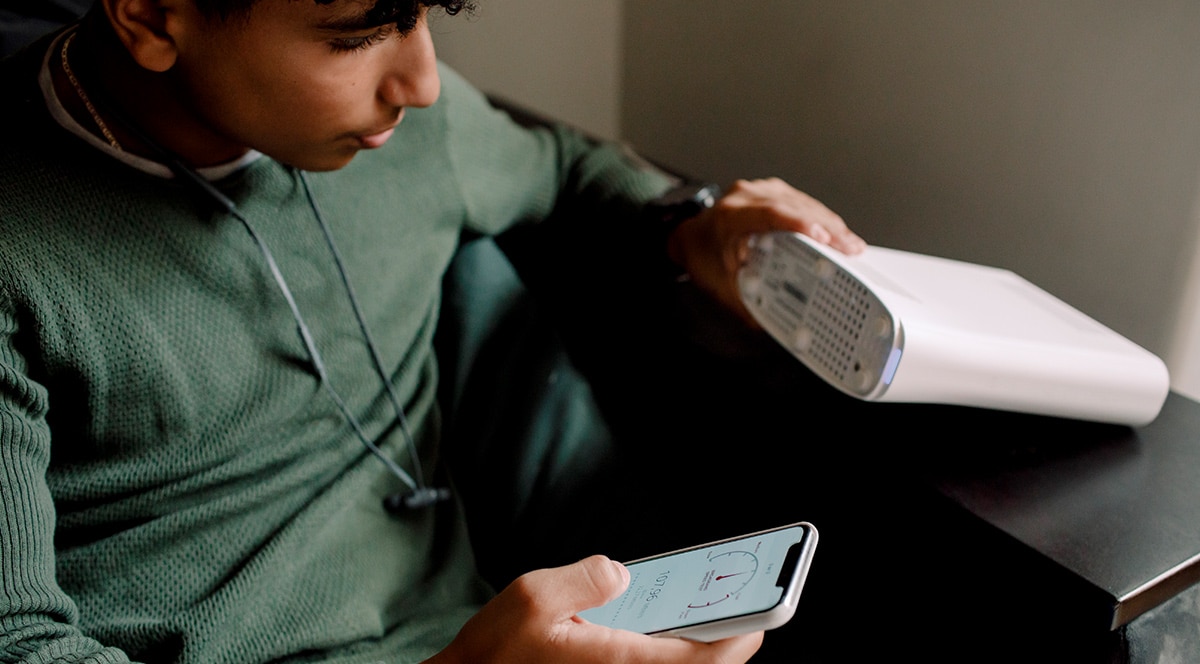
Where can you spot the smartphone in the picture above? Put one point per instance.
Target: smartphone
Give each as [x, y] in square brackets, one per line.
[716, 590]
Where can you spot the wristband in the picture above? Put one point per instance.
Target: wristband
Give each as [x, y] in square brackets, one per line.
[680, 204]
[676, 206]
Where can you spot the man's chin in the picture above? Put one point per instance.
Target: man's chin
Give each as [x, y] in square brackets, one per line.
[320, 163]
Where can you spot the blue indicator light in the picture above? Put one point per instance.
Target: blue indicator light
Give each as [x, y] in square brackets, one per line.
[889, 369]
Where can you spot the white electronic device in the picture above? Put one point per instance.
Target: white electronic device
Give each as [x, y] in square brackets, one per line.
[896, 326]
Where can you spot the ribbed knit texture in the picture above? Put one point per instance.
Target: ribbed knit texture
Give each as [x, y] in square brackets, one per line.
[175, 484]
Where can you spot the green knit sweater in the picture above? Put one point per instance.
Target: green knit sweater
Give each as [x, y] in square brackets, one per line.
[175, 483]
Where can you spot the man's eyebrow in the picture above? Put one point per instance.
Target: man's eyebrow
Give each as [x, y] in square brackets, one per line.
[351, 23]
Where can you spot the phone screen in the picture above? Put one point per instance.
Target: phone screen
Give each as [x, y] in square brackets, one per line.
[722, 580]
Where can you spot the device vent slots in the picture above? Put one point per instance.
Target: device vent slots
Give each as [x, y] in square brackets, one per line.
[826, 309]
[837, 318]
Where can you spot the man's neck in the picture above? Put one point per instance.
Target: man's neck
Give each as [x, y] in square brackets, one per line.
[135, 109]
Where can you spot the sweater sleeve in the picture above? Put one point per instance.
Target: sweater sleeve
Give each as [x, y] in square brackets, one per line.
[511, 175]
[580, 240]
[567, 209]
[36, 616]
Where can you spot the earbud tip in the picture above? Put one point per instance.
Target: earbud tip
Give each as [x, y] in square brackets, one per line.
[417, 499]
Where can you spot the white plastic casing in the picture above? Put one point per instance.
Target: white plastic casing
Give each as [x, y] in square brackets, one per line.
[891, 325]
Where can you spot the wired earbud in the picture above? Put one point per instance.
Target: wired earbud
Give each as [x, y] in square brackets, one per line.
[421, 497]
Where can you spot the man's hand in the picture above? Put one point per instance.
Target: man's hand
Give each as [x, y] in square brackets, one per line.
[712, 245]
[533, 621]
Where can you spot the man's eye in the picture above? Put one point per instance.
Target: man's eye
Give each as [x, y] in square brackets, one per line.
[362, 43]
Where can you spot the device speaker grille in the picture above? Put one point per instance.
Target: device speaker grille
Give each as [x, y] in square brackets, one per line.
[837, 314]
[820, 311]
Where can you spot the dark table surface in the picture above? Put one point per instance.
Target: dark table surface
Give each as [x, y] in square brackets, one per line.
[1024, 538]
[1116, 507]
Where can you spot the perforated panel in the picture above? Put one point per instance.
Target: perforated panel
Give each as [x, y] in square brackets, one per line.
[820, 312]
[837, 316]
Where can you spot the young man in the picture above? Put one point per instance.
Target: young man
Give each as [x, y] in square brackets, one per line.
[185, 186]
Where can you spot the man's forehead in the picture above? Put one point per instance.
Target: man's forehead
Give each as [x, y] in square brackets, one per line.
[358, 14]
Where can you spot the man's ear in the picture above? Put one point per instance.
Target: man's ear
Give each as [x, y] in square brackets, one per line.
[147, 28]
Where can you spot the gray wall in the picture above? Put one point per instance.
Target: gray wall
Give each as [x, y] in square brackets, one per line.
[1058, 139]
[559, 57]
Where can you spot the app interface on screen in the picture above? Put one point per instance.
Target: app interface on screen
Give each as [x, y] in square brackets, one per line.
[728, 579]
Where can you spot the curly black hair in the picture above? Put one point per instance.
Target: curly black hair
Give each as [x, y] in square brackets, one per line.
[403, 13]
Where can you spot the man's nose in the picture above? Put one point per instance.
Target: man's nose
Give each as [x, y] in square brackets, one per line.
[413, 77]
